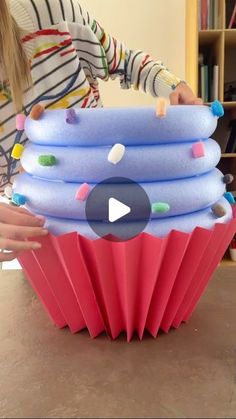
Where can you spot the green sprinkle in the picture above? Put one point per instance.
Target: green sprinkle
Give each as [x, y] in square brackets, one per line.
[160, 208]
[47, 160]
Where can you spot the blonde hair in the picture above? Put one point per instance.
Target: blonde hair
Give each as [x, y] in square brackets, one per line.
[13, 60]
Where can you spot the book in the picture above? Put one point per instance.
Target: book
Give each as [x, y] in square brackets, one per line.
[216, 14]
[204, 83]
[199, 15]
[210, 82]
[232, 23]
[211, 14]
[230, 6]
[204, 14]
[206, 80]
[215, 83]
[231, 145]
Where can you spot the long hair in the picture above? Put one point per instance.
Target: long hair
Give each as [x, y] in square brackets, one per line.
[13, 60]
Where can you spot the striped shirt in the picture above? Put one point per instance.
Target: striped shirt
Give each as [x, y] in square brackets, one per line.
[69, 52]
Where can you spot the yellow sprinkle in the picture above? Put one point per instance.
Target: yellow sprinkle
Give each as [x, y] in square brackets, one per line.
[17, 151]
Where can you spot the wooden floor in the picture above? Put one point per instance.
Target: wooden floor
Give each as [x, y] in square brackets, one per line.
[45, 372]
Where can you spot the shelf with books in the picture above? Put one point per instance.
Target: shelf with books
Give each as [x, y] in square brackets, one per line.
[211, 54]
[211, 66]
[211, 69]
[211, 14]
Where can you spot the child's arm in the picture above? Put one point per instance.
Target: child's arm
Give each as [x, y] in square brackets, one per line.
[138, 69]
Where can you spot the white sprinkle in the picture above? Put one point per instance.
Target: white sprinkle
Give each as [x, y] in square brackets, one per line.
[8, 192]
[116, 154]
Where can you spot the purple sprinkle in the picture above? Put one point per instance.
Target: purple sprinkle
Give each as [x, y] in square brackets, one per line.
[71, 117]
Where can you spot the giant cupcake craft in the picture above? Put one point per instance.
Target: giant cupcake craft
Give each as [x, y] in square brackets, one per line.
[151, 279]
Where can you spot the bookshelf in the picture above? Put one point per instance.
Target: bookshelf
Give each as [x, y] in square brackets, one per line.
[219, 46]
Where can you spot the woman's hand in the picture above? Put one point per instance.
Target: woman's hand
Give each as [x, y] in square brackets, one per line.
[16, 225]
[183, 95]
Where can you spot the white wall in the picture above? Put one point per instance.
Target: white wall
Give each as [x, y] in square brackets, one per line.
[155, 26]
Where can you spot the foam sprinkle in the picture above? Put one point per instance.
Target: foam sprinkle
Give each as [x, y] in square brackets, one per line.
[160, 207]
[217, 109]
[36, 111]
[116, 154]
[47, 160]
[198, 150]
[218, 210]
[71, 117]
[227, 179]
[17, 151]
[161, 107]
[20, 122]
[82, 192]
[230, 198]
[18, 199]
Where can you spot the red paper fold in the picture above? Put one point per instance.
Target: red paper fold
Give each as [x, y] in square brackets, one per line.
[144, 283]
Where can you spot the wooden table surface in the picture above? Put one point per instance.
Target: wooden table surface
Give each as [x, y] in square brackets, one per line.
[45, 372]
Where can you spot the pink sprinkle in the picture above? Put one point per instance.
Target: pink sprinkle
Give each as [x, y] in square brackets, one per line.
[198, 150]
[82, 192]
[20, 121]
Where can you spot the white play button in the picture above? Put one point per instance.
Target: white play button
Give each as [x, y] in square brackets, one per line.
[117, 210]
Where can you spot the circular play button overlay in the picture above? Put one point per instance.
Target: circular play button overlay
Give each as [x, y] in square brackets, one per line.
[118, 209]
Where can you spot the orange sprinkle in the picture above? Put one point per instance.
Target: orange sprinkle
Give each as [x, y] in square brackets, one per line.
[36, 111]
[161, 107]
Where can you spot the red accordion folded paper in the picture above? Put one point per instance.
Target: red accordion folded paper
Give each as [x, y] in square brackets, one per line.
[147, 283]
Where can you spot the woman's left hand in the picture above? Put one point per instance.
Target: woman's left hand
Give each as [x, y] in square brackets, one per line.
[183, 95]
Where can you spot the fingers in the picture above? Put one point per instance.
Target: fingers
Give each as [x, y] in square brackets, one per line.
[198, 101]
[20, 209]
[19, 217]
[17, 209]
[21, 232]
[174, 98]
[7, 257]
[17, 246]
[191, 99]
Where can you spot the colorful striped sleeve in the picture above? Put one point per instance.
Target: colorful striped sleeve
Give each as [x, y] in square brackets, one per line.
[135, 68]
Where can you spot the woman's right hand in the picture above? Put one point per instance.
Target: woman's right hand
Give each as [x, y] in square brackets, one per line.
[16, 225]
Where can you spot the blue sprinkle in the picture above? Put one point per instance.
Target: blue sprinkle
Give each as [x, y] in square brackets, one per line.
[19, 199]
[230, 198]
[217, 109]
[71, 117]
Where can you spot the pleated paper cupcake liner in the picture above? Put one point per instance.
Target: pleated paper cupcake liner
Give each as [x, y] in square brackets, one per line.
[147, 283]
